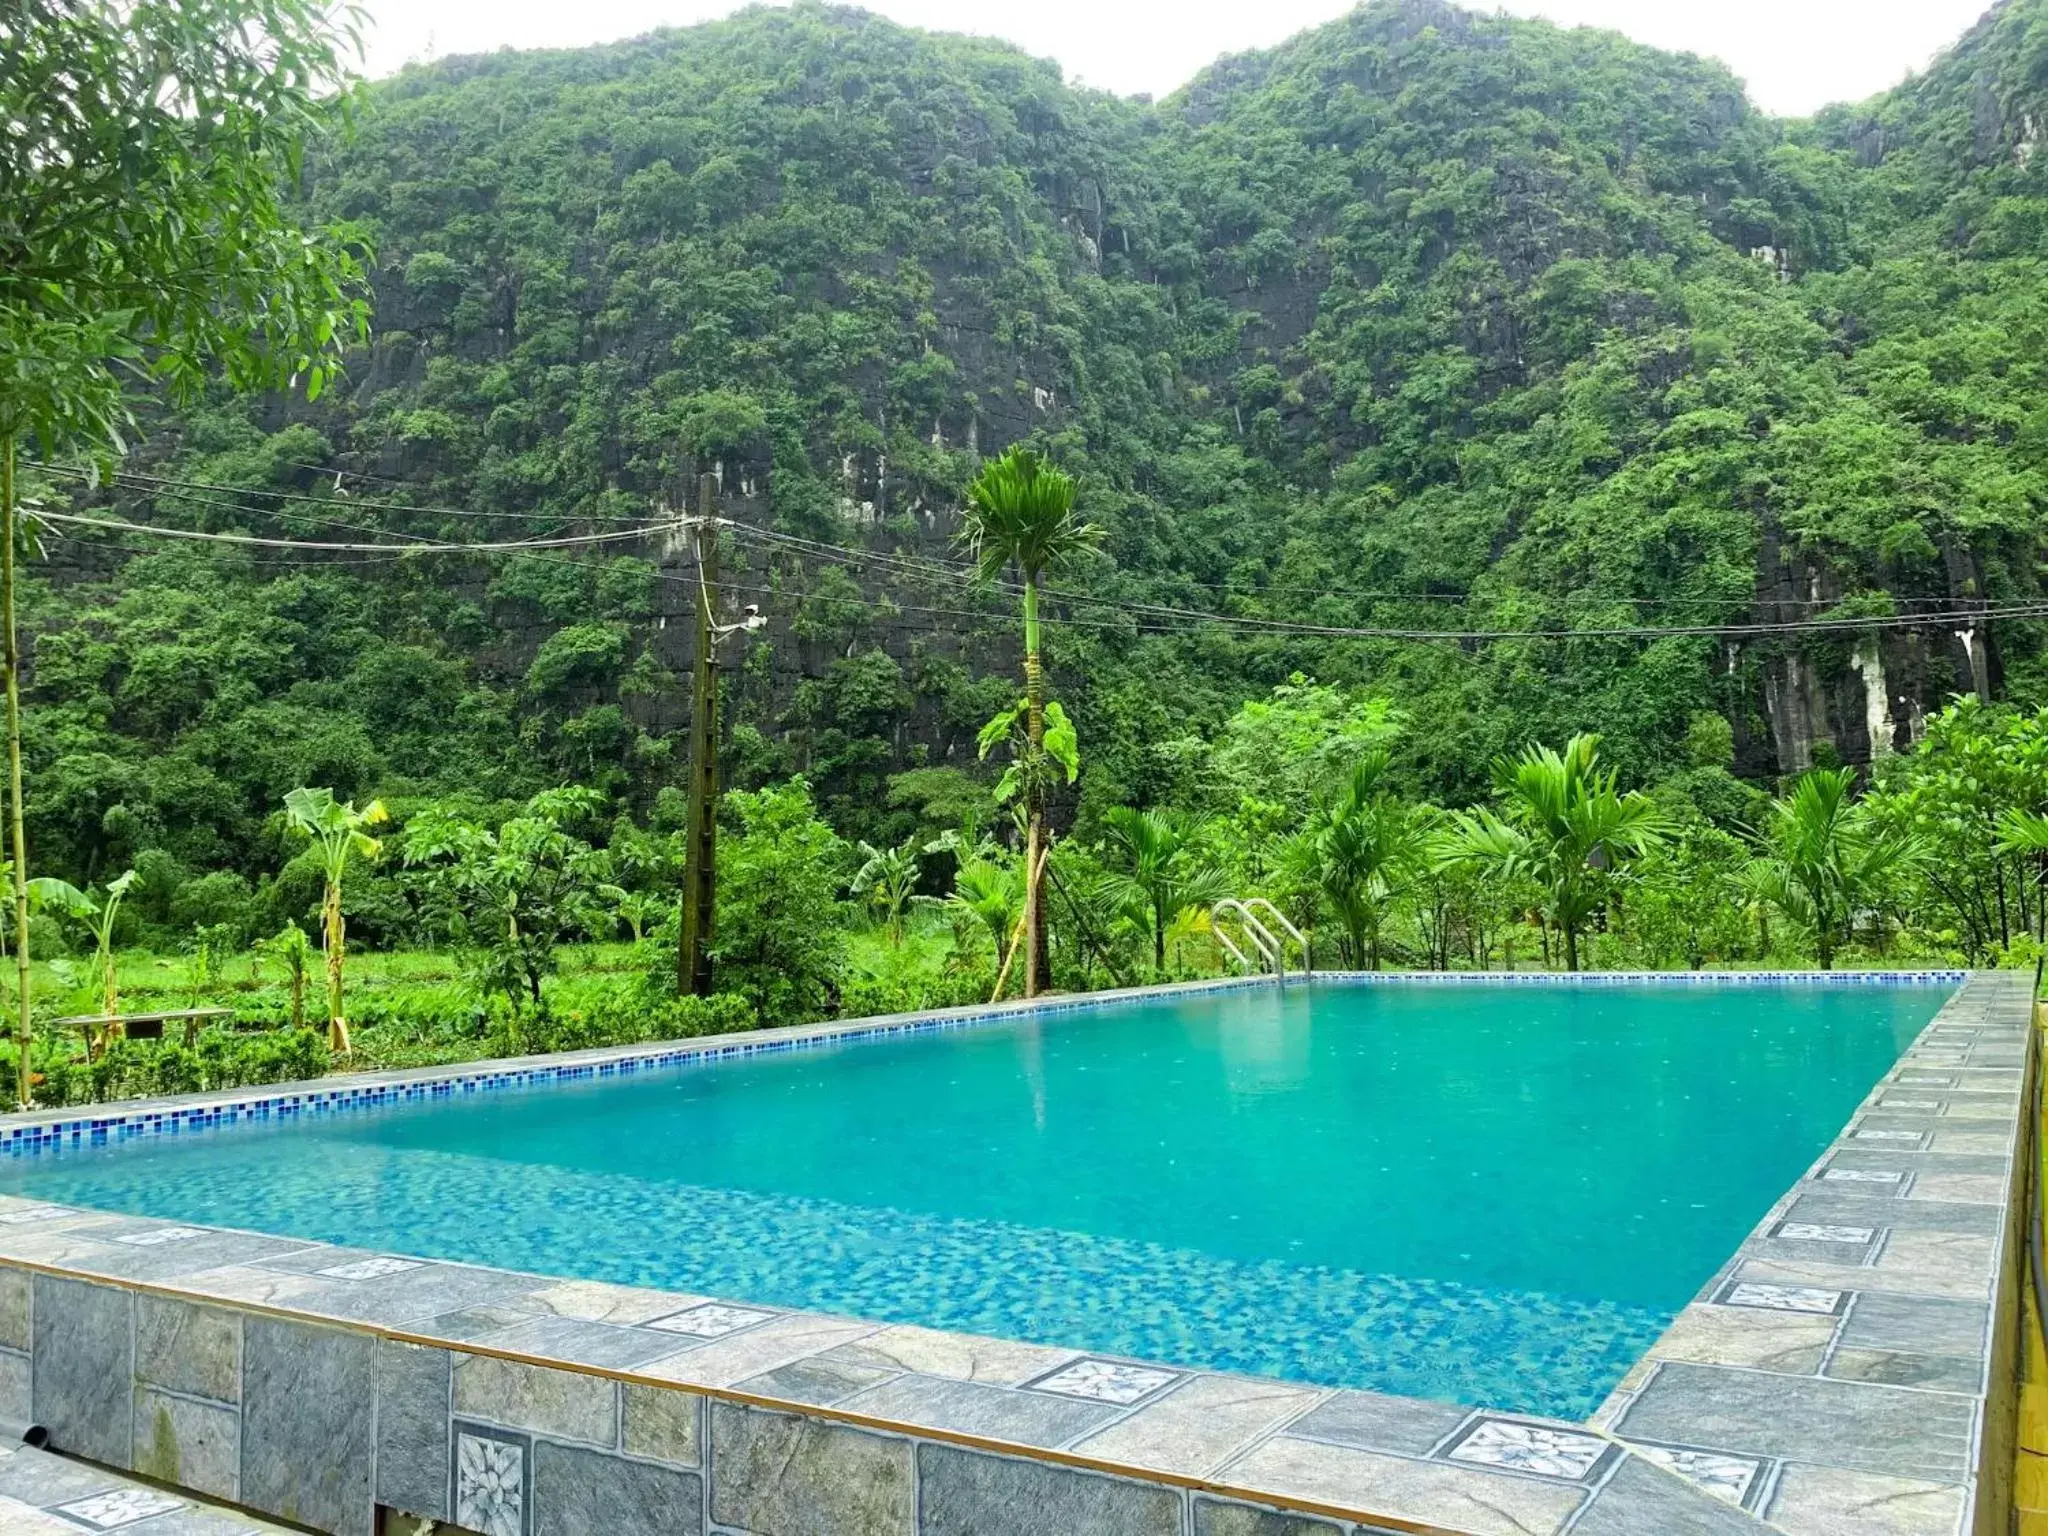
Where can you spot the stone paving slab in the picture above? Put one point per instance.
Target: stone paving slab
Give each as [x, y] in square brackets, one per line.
[42, 1494]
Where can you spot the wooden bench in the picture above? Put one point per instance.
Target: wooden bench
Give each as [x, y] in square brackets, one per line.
[141, 1026]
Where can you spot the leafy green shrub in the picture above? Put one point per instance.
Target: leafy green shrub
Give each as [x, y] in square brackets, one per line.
[133, 1069]
[632, 1021]
[781, 926]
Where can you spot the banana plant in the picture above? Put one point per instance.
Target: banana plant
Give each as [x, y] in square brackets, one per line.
[97, 915]
[888, 878]
[636, 909]
[293, 952]
[339, 833]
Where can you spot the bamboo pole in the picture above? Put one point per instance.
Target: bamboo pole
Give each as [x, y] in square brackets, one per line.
[1018, 934]
[10, 663]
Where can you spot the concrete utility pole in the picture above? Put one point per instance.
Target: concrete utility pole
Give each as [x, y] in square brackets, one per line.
[700, 874]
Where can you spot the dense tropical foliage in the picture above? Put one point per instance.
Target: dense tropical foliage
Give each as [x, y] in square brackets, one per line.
[1424, 322]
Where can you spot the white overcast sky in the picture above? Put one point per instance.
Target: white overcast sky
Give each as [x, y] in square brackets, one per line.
[1796, 55]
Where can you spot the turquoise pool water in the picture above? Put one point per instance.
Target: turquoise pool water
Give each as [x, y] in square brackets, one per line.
[1494, 1194]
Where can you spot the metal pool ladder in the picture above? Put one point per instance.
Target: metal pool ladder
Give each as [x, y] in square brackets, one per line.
[1272, 951]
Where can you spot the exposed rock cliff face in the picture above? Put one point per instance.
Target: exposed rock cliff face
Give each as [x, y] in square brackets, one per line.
[1424, 319]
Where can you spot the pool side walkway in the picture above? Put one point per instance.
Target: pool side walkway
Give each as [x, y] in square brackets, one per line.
[42, 1494]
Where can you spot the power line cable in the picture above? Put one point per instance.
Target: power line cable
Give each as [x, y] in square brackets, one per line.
[391, 558]
[1255, 622]
[1161, 614]
[933, 568]
[941, 568]
[86, 476]
[512, 547]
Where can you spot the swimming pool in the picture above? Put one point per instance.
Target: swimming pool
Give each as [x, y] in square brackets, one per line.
[1495, 1194]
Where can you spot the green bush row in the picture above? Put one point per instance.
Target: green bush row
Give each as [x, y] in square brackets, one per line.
[127, 1069]
[432, 1027]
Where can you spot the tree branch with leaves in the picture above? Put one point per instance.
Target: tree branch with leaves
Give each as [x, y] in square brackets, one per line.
[148, 246]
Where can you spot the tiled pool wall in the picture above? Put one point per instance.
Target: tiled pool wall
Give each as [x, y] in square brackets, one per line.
[582, 1409]
[41, 1131]
[1848, 1371]
[344, 1430]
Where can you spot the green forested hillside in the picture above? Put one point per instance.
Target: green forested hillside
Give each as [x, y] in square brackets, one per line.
[1421, 320]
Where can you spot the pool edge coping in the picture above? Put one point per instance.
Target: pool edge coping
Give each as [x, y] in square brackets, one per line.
[1214, 1483]
[1936, 1051]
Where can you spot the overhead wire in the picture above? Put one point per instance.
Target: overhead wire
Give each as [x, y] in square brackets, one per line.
[1148, 616]
[74, 473]
[506, 547]
[943, 570]
[1258, 623]
[266, 561]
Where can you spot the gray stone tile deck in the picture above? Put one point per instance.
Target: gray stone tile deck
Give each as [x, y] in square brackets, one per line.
[1842, 1362]
[42, 1494]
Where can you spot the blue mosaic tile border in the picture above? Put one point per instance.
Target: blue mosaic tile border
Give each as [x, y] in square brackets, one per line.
[30, 1138]
[1638, 978]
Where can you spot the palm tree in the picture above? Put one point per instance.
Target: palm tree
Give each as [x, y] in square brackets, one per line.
[338, 831]
[989, 892]
[1821, 856]
[888, 878]
[1563, 824]
[1367, 845]
[1168, 871]
[2025, 834]
[1020, 511]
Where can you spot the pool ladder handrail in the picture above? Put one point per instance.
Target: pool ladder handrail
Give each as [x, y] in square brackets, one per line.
[1308, 955]
[1263, 941]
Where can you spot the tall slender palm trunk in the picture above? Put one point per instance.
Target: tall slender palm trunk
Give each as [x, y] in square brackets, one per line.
[1035, 957]
[10, 662]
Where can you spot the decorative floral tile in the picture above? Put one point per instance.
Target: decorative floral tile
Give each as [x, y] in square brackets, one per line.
[1814, 1232]
[713, 1320]
[1532, 1448]
[1726, 1477]
[1781, 1298]
[156, 1235]
[1106, 1381]
[371, 1269]
[1862, 1176]
[491, 1472]
[124, 1506]
[26, 1214]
